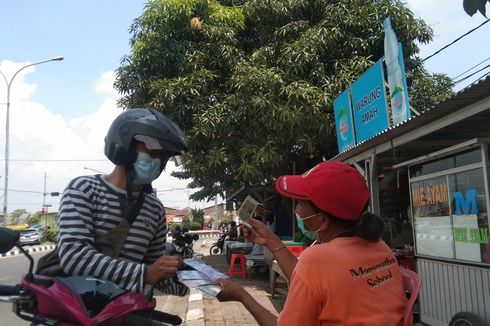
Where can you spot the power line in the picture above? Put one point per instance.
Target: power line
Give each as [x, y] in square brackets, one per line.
[464, 78]
[481, 77]
[456, 40]
[25, 191]
[464, 72]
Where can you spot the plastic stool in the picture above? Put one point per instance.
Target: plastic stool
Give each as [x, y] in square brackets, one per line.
[241, 271]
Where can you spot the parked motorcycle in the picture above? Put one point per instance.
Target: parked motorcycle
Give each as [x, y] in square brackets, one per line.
[183, 244]
[76, 300]
[217, 247]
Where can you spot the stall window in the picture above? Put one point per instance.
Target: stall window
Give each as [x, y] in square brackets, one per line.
[469, 216]
[450, 215]
[430, 205]
[461, 159]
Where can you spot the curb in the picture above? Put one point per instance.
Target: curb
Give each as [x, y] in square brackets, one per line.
[29, 250]
[195, 309]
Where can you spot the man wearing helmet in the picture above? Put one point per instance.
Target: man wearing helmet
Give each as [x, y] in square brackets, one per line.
[139, 142]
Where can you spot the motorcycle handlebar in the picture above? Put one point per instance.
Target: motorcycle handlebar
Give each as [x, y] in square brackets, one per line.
[186, 237]
[9, 289]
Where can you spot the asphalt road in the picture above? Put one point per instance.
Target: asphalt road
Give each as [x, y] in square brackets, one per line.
[11, 270]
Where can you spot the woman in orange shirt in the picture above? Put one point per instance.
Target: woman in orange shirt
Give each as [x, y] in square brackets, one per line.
[351, 277]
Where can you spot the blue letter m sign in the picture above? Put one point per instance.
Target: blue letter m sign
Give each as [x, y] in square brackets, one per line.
[467, 205]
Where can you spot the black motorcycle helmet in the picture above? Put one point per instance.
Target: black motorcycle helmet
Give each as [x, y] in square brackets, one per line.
[119, 144]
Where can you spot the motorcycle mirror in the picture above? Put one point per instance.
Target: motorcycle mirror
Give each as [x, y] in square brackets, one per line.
[8, 239]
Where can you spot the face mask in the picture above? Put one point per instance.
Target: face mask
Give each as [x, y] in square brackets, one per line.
[146, 169]
[309, 234]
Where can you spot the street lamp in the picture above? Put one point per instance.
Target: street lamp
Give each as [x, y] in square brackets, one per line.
[9, 84]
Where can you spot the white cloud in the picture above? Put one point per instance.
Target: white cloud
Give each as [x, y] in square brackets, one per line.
[104, 85]
[38, 136]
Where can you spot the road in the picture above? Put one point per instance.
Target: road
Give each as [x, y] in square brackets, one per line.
[12, 267]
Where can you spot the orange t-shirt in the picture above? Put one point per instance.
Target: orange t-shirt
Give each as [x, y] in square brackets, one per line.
[348, 281]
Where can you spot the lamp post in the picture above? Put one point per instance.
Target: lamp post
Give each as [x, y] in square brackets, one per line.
[9, 84]
[90, 169]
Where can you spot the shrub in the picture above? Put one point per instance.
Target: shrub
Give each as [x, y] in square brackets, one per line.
[50, 234]
[195, 226]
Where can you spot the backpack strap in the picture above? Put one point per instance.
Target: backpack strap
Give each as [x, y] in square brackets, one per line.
[111, 243]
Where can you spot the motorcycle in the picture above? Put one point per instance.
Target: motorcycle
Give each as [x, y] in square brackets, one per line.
[217, 247]
[183, 244]
[76, 300]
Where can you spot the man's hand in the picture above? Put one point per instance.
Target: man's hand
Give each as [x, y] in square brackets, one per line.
[230, 291]
[163, 267]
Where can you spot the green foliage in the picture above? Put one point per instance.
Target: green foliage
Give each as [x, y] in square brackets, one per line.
[198, 215]
[186, 223]
[252, 84]
[177, 225]
[224, 221]
[34, 218]
[16, 214]
[472, 6]
[50, 234]
[195, 226]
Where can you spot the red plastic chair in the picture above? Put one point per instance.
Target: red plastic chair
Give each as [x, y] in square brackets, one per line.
[411, 284]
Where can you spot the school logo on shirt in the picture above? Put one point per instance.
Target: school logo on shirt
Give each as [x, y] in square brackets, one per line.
[375, 275]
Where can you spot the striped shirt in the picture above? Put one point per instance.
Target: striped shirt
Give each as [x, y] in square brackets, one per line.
[89, 207]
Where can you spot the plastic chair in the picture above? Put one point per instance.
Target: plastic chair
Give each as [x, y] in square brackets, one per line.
[241, 271]
[411, 284]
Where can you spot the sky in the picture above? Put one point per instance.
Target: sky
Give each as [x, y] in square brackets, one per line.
[60, 111]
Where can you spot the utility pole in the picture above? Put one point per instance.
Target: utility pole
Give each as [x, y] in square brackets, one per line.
[44, 191]
[216, 222]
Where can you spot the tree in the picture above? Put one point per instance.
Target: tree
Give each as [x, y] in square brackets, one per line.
[198, 215]
[472, 6]
[252, 85]
[16, 214]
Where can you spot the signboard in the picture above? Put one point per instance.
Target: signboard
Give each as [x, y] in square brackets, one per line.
[369, 99]
[343, 121]
[369, 103]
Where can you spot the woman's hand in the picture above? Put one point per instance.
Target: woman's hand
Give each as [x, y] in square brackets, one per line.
[262, 235]
[230, 291]
[163, 267]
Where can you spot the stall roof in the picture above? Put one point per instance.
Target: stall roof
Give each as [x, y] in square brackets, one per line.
[461, 117]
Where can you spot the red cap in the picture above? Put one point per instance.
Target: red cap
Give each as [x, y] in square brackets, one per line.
[333, 187]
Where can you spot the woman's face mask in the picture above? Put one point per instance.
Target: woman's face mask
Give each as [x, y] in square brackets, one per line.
[146, 169]
[313, 235]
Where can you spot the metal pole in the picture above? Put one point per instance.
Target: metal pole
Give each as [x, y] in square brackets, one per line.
[44, 192]
[216, 212]
[6, 177]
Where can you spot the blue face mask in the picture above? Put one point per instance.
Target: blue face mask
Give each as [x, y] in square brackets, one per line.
[146, 169]
[301, 224]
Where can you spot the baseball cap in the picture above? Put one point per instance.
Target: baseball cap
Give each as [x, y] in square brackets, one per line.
[150, 142]
[334, 187]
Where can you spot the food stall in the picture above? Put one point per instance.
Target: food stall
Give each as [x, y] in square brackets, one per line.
[429, 181]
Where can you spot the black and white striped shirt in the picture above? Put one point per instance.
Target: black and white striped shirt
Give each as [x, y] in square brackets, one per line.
[90, 207]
